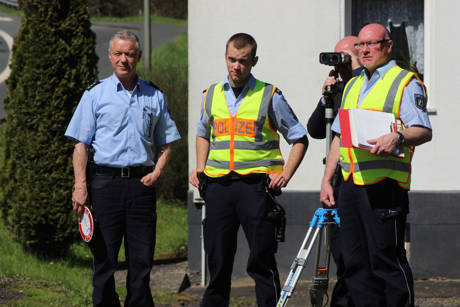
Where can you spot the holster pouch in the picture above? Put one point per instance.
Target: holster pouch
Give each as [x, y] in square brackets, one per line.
[203, 184]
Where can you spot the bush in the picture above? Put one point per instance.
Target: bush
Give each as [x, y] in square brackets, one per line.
[53, 61]
[170, 8]
[113, 8]
[123, 8]
[170, 73]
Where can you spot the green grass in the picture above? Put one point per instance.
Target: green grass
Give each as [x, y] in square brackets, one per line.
[67, 282]
[9, 10]
[172, 231]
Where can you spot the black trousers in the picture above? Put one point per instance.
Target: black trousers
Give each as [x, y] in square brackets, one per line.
[230, 204]
[123, 207]
[371, 246]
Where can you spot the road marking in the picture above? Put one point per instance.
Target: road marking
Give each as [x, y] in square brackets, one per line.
[9, 41]
[6, 19]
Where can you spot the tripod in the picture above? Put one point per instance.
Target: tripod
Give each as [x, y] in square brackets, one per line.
[322, 217]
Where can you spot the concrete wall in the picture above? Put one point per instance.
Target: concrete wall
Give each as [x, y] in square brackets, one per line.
[289, 39]
[290, 36]
[434, 241]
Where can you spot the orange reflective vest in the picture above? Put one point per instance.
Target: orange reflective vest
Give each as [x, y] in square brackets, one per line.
[385, 96]
[244, 143]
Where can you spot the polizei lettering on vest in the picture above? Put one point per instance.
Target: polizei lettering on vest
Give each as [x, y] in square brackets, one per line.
[243, 127]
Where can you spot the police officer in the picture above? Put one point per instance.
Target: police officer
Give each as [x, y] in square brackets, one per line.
[316, 127]
[121, 118]
[373, 201]
[237, 147]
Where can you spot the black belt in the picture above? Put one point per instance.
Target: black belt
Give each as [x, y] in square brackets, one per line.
[124, 172]
[253, 177]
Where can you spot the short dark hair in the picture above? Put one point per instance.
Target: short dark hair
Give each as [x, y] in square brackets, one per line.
[241, 40]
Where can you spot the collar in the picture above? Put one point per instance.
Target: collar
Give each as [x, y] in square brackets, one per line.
[251, 83]
[357, 71]
[119, 86]
[381, 71]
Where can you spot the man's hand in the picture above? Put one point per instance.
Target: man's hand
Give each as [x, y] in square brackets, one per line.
[193, 177]
[330, 80]
[384, 145]
[79, 198]
[151, 178]
[277, 181]
[327, 194]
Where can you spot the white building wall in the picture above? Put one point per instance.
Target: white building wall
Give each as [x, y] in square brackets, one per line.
[290, 36]
[436, 164]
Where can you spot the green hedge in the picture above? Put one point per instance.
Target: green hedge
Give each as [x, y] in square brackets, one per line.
[170, 73]
[53, 61]
[170, 8]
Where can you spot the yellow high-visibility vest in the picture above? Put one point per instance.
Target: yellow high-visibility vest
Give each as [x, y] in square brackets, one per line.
[244, 143]
[385, 96]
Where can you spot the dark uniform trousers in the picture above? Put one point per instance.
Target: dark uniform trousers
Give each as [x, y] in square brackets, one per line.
[229, 204]
[122, 207]
[370, 244]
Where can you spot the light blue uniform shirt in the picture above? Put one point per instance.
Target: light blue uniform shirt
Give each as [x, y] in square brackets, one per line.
[411, 115]
[120, 128]
[280, 114]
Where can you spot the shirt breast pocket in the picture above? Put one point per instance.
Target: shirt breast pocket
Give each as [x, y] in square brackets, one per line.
[149, 122]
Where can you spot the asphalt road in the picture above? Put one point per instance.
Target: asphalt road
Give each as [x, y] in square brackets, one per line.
[9, 27]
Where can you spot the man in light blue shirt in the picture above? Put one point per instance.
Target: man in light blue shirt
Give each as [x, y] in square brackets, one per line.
[373, 197]
[236, 193]
[121, 118]
[412, 114]
[280, 114]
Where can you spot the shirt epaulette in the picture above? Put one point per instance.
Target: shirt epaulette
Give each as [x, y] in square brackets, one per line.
[278, 91]
[93, 85]
[155, 86]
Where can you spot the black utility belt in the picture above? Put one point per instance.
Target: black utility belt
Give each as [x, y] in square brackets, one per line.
[124, 172]
[254, 177]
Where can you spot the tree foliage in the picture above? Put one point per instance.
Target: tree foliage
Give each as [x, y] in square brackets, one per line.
[170, 8]
[123, 8]
[114, 8]
[53, 61]
[170, 74]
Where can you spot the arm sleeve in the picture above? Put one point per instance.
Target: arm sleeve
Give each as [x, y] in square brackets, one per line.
[202, 126]
[316, 125]
[413, 110]
[165, 129]
[283, 119]
[82, 125]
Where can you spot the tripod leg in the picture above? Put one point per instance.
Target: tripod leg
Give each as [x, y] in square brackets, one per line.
[297, 267]
[320, 282]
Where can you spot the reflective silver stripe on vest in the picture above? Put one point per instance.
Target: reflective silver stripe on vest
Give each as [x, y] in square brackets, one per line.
[377, 164]
[245, 164]
[208, 106]
[389, 101]
[263, 111]
[346, 166]
[347, 91]
[245, 145]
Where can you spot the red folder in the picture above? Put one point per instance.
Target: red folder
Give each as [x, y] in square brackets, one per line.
[345, 128]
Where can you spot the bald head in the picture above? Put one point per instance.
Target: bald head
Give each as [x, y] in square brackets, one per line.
[374, 29]
[347, 45]
[375, 46]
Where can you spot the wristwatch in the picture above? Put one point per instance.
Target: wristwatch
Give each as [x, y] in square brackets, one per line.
[401, 139]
